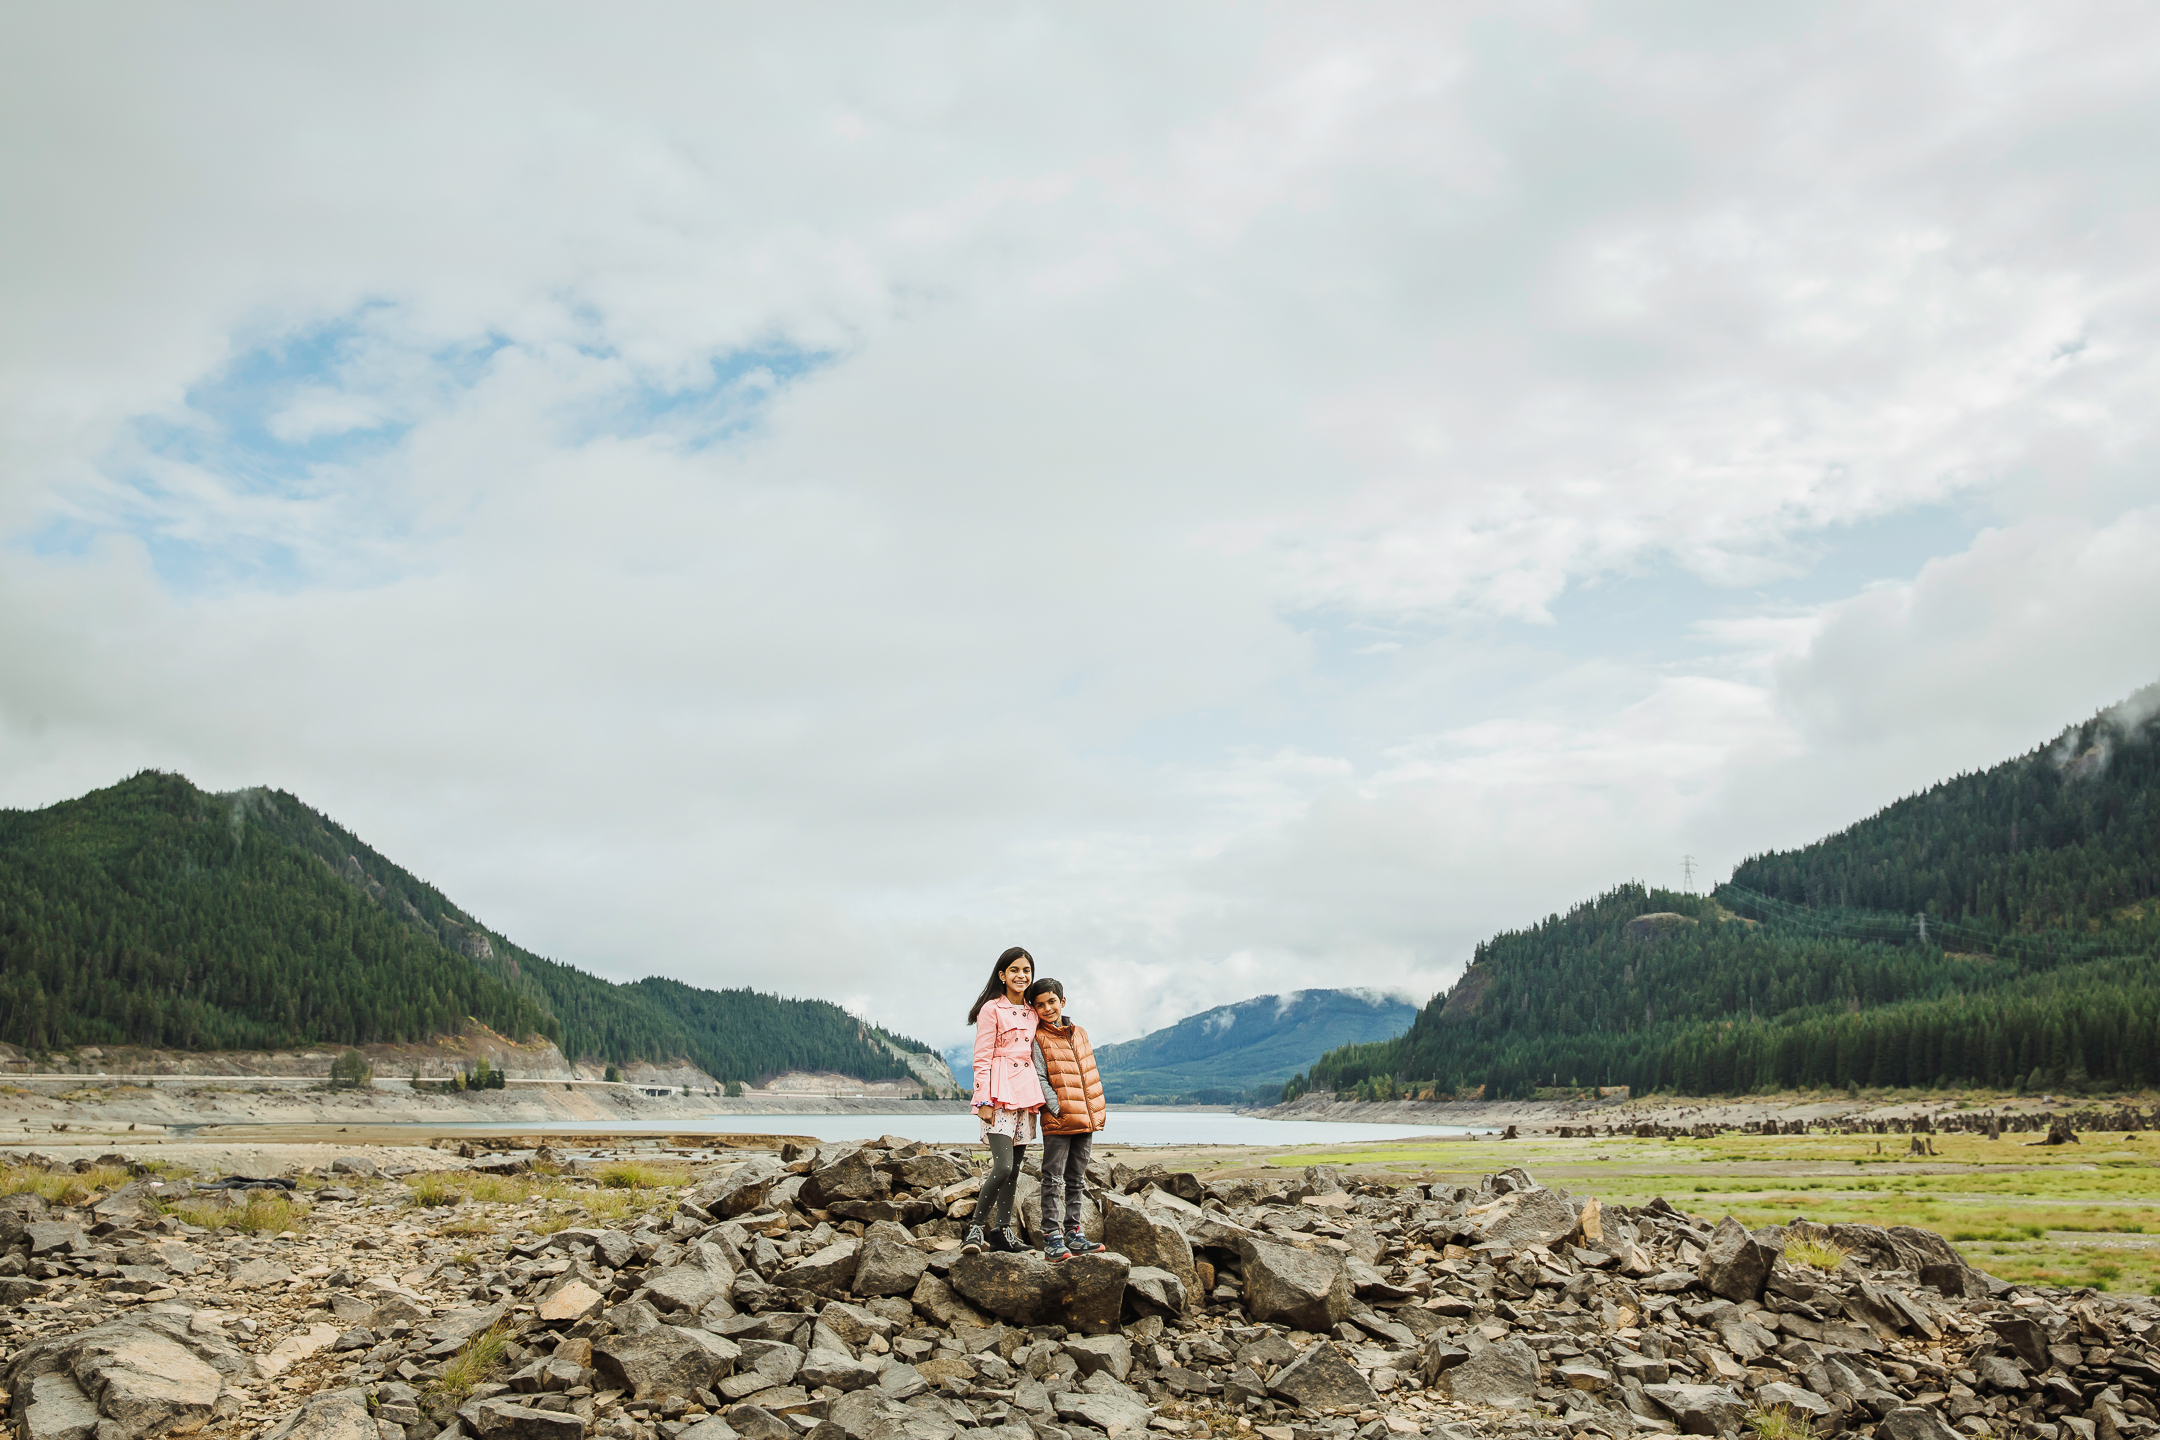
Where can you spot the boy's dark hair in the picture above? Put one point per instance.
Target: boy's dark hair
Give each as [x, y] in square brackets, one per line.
[1044, 986]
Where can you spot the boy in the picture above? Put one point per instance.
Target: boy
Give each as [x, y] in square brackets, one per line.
[1073, 1110]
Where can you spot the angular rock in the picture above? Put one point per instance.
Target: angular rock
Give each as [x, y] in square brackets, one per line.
[1533, 1216]
[1915, 1422]
[886, 1266]
[294, 1348]
[1306, 1289]
[1502, 1376]
[572, 1303]
[1700, 1409]
[330, 1415]
[55, 1408]
[1085, 1293]
[854, 1176]
[505, 1419]
[740, 1192]
[1321, 1378]
[1149, 1236]
[667, 1360]
[1155, 1292]
[1792, 1397]
[1112, 1414]
[828, 1272]
[1735, 1264]
[842, 1372]
[145, 1382]
[873, 1415]
[1111, 1354]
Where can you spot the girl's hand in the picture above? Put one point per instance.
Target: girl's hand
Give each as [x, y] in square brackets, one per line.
[982, 1113]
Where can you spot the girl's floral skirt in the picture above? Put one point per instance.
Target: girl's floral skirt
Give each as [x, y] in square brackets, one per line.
[1019, 1126]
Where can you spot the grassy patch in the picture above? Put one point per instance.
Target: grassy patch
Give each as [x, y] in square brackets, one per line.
[61, 1187]
[263, 1214]
[642, 1175]
[1815, 1250]
[1779, 1423]
[473, 1364]
[455, 1187]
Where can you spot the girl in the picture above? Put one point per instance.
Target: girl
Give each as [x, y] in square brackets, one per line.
[1007, 1097]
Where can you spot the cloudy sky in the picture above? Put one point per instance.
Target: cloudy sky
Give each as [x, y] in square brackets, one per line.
[1232, 498]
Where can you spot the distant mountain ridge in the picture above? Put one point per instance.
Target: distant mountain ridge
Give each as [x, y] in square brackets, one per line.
[155, 913]
[1224, 1055]
[2000, 928]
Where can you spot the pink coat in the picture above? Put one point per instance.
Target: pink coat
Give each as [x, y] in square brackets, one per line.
[1005, 1056]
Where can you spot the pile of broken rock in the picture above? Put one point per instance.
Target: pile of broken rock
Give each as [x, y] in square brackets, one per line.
[822, 1295]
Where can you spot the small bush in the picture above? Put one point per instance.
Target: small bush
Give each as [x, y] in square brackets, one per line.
[351, 1069]
[1779, 1423]
[1816, 1250]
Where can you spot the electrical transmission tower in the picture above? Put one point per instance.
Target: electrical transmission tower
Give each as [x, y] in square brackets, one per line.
[1687, 874]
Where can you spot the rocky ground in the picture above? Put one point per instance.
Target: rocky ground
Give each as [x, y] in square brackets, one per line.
[819, 1293]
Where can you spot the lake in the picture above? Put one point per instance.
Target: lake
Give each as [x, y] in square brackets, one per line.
[1126, 1127]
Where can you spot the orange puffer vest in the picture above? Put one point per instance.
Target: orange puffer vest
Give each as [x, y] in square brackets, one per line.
[1070, 1059]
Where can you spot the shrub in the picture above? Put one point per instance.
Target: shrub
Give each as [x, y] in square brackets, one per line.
[350, 1069]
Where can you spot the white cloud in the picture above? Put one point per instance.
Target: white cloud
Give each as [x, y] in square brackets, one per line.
[807, 506]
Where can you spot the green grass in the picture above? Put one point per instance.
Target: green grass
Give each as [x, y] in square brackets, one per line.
[263, 1214]
[61, 1187]
[473, 1364]
[642, 1175]
[2036, 1214]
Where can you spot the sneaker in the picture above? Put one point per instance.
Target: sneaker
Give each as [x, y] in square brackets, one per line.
[973, 1245]
[1078, 1244]
[994, 1242]
[1015, 1242]
[1054, 1247]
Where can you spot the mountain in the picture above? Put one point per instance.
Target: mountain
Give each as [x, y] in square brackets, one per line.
[1220, 1056]
[1999, 928]
[154, 913]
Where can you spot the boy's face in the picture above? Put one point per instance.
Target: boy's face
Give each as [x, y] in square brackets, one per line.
[1049, 1006]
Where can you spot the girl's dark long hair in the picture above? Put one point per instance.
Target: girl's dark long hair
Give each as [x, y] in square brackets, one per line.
[996, 985]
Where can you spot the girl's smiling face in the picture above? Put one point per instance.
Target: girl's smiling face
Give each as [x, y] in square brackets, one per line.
[1018, 976]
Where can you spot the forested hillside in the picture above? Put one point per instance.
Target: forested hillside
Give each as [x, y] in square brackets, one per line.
[1998, 929]
[155, 913]
[1223, 1056]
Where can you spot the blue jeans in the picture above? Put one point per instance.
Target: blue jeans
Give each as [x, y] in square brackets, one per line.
[1064, 1180]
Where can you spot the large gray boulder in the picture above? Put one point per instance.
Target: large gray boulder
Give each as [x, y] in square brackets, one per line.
[873, 1415]
[1150, 1236]
[854, 1176]
[1699, 1409]
[1735, 1264]
[1155, 1292]
[1085, 1293]
[666, 1360]
[1323, 1379]
[740, 1192]
[1533, 1216]
[1502, 1376]
[506, 1419]
[886, 1266]
[828, 1272]
[1305, 1289]
[940, 1304]
[55, 1408]
[143, 1375]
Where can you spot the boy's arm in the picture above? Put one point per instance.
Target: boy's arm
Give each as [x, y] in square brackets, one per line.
[1042, 1078]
